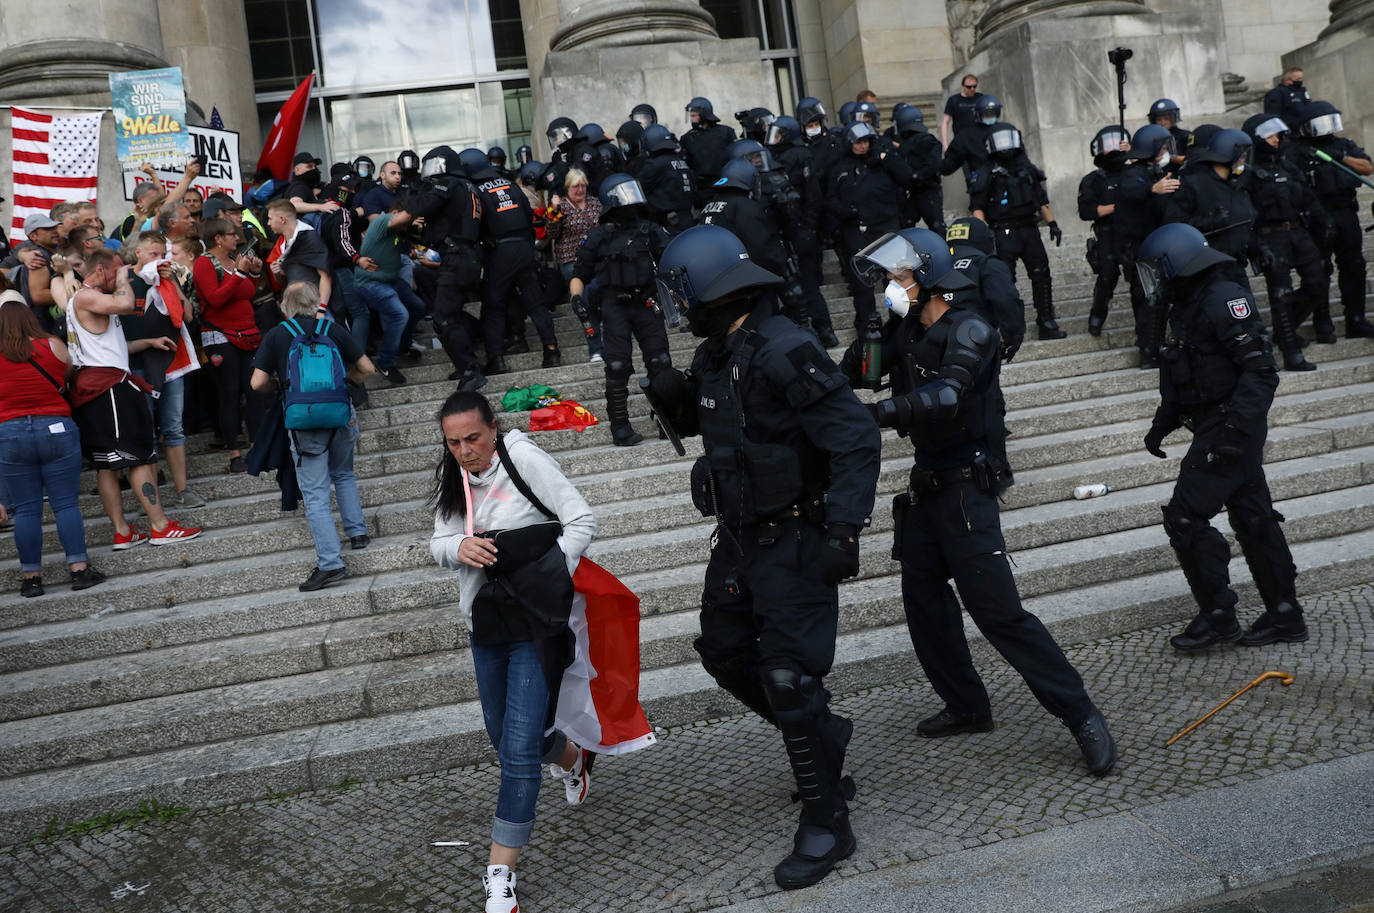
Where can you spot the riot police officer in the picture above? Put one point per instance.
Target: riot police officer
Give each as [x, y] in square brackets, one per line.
[1336, 190]
[365, 174]
[523, 156]
[1109, 252]
[409, 163]
[796, 160]
[1287, 99]
[969, 148]
[609, 158]
[789, 474]
[644, 115]
[569, 150]
[1218, 377]
[733, 206]
[704, 144]
[1286, 205]
[863, 203]
[496, 155]
[629, 137]
[667, 179]
[448, 203]
[780, 205]
[825, 147]
[753, 124]
[1213, 199]
[920, 149]
[1165, 113]
[946, 525]
[1145, 187]
[621, 254]
[1009, 193]
[508, 234]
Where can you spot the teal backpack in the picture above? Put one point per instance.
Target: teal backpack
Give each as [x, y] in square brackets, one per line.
[315, 396]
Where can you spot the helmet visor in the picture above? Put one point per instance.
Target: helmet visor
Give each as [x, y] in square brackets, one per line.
[675, 292]
[1151, 276]
[431, 167]
[1324, 125]
[1113, 141]
[1004, 140]
[889, 254]
[362, 169]
[774, 135]
[626, 193]
[1270, 128]
[560, 135]
[644, 119]
[764, 161]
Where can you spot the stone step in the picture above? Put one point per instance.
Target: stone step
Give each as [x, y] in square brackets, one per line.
[434, 738]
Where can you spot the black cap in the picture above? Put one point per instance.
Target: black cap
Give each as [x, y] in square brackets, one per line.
[340, 170]
[304, 158]
[214, 207]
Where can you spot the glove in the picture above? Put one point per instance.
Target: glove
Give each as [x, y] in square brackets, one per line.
[1011, 344]
[579, 308]
[1056, 233]
[840, 559]
[670, 387]
[1229, 445]
[1153, 438]
[851, 361]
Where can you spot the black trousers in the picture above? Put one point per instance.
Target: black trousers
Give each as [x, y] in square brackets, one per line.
[459, 276]
[621, 323]
[852, 240]
[927, 204]
[1295, 251]
[1348, 252]
[1023, 243]
[511, 265]
[1115, 257]
[956, 533]
[232, 376]
[808, 247]
[1206, 485]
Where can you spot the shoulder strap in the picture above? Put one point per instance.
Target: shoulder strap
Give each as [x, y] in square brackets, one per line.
[60, 388]
[293, 326]
[516, 478]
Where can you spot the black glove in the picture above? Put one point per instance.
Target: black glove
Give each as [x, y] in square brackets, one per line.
[579, 308]
[1011, 344]
[1153, 438]
[840, 559]
[670, 387]
[1229, 445]
[852, 361]
[1056, 233]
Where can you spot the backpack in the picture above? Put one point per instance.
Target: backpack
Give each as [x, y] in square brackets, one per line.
[315, 396]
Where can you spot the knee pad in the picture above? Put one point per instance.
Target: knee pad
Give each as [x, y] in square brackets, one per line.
[1182, 529]
[618, 371]
[792, 693]
[1039, 273]
[658, 362]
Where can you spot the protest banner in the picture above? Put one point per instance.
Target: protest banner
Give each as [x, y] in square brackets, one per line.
[220, 171]
[150, 118]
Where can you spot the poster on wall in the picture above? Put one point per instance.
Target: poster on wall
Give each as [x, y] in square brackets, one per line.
[150, 118]
[219, 171]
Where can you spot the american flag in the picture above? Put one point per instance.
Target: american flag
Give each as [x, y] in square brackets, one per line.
[55, 161]
[216, 122]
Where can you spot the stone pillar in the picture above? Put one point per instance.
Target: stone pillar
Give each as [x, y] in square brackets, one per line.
[61, 52]
[209, 41]
[606, 56]
[1339, 66]
[899, 49]
[1046, 60]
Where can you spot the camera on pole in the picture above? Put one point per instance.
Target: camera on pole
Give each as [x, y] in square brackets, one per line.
[1118, 57]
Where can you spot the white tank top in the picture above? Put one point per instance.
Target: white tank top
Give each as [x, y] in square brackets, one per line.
[96, 350]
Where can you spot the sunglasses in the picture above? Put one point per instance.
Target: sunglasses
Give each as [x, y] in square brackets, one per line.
[970, 85]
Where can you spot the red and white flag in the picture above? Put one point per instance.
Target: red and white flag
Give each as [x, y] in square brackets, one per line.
[55, 161]
[280, 146]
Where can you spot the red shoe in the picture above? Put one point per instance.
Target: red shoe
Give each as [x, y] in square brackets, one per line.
[175, 532]
[134, 537]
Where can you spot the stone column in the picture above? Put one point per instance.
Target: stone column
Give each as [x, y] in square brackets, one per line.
[1339, 66]
[606, 56]
[1349, 14]
[61, 52]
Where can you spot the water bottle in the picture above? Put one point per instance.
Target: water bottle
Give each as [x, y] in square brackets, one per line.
[1084, 492]
[872, 341]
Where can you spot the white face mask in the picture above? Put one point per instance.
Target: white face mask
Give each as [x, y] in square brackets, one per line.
[1163, 157]
[813, 129]
[896, 299]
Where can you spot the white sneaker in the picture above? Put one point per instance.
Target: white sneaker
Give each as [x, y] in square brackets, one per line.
[596, 359]
[576, 782]
[499, 883]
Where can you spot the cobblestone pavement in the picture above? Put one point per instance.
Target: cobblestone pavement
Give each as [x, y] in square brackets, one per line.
[1347, 888]
[699, 820]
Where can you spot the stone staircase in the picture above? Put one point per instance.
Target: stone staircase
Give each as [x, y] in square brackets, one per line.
[199, 675]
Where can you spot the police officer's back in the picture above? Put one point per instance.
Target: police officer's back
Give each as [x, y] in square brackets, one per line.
[968, 151]
[1214, 201]
[797, 160]
[733, 207]
[704, 144]
[921, 151]
[669, 185]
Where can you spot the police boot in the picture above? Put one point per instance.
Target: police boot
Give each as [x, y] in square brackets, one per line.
[1322, 327]
[1281, 624]
[470, 380]
[1357, 327]
[1271, 565]
[496, 365]
[1048, 327]
[1097, 316]
[552, 359]
[1286, 334]
[1209, 628]
[623, 433]
[516, 345]
[826, 334]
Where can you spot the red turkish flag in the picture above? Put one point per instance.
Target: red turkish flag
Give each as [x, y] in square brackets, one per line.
[280, 146]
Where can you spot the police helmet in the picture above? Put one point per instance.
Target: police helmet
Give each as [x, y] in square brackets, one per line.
[644, 115]
[364, 167]
[524, 155]
[1227, 147]
[440, 160]
[1109, 139]
[1164, 107]
[740, 174]
[753, 152]
[1147, 142]
[529, 172]
[702, 107]
[1004, 141]
[497, 156]
[475, 164]
[784, 131]
[857, 131]
[898, 108]
[973, 232]
[659, 138]
[910, 120]
[1174, 251]
[988, 107]
[619, 190]
[561, 129]
[409, 160]
[705, 264]
[592, 133]
[630, 136]
[867, 110]
[810, 110]
[1197, 144]
[918, 249]
[847, 113]
[1320, 118]
[755, 121]
[1262, 126]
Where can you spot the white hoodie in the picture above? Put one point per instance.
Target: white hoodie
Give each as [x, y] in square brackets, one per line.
[498, 504]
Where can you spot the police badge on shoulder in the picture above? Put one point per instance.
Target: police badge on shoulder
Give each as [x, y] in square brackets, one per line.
[1240, 307]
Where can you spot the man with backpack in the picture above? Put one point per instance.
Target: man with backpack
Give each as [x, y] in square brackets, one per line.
[308, 357]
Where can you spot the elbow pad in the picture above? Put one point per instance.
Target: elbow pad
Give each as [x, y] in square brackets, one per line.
[1254, 353]
[932, 403]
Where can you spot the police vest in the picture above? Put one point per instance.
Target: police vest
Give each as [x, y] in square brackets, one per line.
[1011, 194]
[1193, 361]
[627, 258]
[505, 209]
[920, 355]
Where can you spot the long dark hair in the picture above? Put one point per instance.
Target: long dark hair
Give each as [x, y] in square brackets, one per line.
[18, 329]
[448, 497]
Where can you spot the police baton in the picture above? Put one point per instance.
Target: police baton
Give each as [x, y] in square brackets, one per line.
[656, 411]
[1346, 168]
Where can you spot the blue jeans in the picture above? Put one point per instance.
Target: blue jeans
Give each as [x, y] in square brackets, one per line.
[168, 407]
[400, 310]
[35, 456]
[346, 294]
[515, 705]
[321, 460]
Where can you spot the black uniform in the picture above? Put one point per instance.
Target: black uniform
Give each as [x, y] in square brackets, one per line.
[1287, 103]
[947, 525]
[925, 196]
[967, 150]
[782, 204]
[799, 164]
[1218, 378]
[734, 209]
[1179, 141]
[1139, 211]
[508, 233]
[863, 203]
[1116, 236]
[1336, 190]
[1220, 209]
[1010, 196]
[453, 226]
[1282, 244]
[827, 150]
[704, 148]
[670, 189]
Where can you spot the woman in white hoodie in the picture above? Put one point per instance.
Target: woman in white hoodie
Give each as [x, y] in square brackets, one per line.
[474, 493]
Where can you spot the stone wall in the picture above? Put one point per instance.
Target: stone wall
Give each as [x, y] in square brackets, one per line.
[1259, 32]
[898, 48]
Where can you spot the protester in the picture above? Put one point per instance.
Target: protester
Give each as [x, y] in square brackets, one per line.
[518, 659]
[300, 254]
[174, 220]
[382, 289]
[323, 455]
[40, 447]
[194, 203]
[960, 110]
[304, 189]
